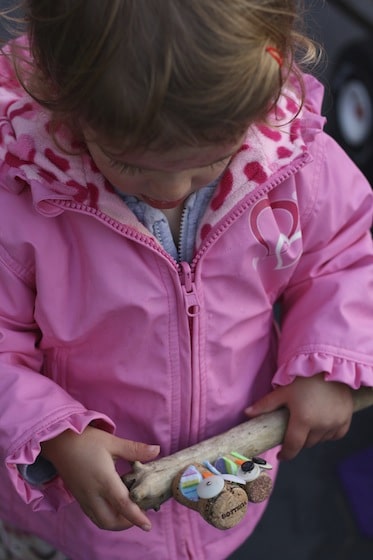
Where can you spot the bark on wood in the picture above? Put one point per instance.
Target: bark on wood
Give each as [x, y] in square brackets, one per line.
[150, 484]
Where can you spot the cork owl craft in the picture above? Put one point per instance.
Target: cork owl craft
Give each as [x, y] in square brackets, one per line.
[221, 492]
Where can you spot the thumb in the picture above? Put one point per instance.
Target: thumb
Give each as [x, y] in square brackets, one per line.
[270, 402]
[135, 450]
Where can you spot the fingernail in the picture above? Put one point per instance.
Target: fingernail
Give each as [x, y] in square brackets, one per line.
[153, 448]
[147, 527]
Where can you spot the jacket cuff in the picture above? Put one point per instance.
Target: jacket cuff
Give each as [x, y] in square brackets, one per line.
[39, 473]
[352, 373]
[34, 478]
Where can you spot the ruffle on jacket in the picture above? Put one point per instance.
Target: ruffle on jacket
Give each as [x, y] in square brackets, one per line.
[355, 374]
[53, 494]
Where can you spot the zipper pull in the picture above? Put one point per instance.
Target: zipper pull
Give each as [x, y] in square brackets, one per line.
[191, 302]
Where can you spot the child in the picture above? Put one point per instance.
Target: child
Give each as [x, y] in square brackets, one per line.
[164, 182]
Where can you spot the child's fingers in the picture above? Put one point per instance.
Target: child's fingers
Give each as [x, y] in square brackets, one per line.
[299, 435]
[268, 403]
[133, 450]
[113, 509]
[102, 515]
[124, 508]
[295, 439]
[332, 434]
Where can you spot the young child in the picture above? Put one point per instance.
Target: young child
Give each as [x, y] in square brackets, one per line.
[164, 182]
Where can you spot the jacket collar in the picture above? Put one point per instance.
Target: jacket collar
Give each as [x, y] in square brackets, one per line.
[31, 159]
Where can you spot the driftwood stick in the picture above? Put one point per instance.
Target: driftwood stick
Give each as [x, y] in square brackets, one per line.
[150, 483]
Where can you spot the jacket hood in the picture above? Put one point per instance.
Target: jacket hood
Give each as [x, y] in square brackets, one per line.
[59, 175]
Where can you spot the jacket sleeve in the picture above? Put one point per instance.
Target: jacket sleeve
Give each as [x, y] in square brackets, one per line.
[33, 407]
[327, 306]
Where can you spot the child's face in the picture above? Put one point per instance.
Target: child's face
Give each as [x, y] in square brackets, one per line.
[163, 179]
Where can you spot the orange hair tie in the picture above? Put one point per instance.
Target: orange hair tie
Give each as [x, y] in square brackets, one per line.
[276, 55]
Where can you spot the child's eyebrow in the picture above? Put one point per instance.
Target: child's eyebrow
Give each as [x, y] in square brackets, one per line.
[115, 156]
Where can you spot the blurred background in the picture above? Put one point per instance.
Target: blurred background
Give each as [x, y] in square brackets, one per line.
[345, 30]
[322, 505]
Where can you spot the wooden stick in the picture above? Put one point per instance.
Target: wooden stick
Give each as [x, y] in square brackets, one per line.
[150, 484]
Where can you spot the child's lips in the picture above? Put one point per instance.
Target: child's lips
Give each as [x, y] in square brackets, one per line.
[162, 204]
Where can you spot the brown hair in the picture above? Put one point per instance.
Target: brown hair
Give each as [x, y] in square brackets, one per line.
[160, 72]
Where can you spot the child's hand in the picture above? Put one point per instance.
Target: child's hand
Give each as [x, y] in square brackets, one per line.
[86, 464]
[319, 411]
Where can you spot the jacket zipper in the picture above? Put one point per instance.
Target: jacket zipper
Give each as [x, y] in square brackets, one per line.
[190, 296]
[192, 310]
[186, 274]
[181, 234]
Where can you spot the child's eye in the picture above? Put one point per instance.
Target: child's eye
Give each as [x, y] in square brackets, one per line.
[124, 167]
[133, 170]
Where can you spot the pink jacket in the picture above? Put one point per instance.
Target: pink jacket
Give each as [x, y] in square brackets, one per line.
[98, 323]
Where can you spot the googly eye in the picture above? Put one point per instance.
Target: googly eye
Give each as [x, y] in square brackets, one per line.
[210, 487]
[234, 478]
[263, 464]
[248, 466]
[248, 471]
